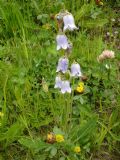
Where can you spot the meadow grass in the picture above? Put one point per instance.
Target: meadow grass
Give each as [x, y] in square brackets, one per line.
[30, 106]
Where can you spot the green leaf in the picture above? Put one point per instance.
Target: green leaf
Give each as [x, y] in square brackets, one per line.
[57, 130]
[62, 158]
[53, 151]
[81, 100]
[101, 136]
[113, 118]
[83, 132]
[76, 97]
[14, 132]
[115, 137]
[33, 144]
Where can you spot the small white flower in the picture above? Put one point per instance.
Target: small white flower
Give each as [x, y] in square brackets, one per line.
[65, 87]
[107, 66]
[62, 65]
[58, 82]
[113, 19]
[108, 33]
[62, 42]
[75, 70]
[69, 23]
[116, 32]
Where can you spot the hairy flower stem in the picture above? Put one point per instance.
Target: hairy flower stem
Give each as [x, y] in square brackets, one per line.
[71, 101]
[67, 113]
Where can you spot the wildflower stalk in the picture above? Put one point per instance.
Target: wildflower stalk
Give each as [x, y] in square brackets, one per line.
[67, 113]
[71, 102]
[65, 22]
[63, 113]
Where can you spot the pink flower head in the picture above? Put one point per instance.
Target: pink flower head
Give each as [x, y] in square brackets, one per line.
[108, 54]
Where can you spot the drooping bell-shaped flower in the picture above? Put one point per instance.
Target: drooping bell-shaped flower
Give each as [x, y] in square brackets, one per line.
[65, 87]
[75, 70]
[62, 42]
[69, 23]
[62, 65]
[58, 82]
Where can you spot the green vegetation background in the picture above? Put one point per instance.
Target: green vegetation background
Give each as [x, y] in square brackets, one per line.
[28, 59]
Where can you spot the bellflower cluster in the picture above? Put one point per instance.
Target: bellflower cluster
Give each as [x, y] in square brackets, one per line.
[65, 22]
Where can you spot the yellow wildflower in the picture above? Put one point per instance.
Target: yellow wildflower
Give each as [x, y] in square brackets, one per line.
[81, 84]
[77, 149]
[50, 138]
[59, 138]
[80, 88]
[1, 114]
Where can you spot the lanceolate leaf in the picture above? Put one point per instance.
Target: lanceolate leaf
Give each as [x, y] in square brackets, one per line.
[33, 144]
[13, 133]
[86, 130]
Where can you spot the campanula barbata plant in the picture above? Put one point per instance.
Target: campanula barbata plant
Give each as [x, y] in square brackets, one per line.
[69, 120]
[64, 79]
